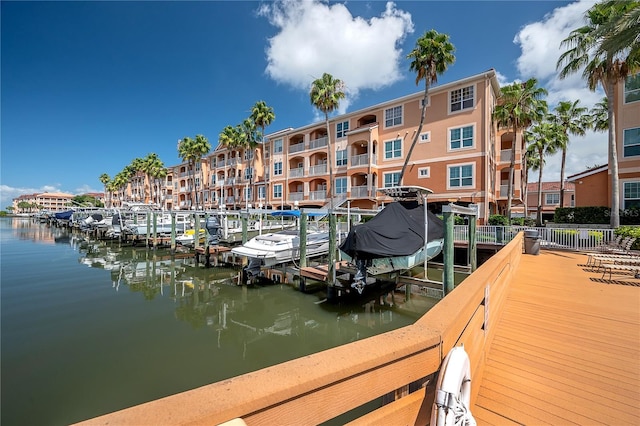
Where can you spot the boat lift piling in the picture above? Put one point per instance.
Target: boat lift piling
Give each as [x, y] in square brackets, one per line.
[303, 239]
[448, 250]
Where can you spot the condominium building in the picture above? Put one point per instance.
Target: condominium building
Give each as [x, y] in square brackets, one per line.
[459, 155]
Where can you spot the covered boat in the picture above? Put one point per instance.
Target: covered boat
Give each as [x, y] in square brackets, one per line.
[394, 239]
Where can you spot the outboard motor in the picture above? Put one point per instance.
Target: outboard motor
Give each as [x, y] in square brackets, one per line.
[213, 225]
[252, 270]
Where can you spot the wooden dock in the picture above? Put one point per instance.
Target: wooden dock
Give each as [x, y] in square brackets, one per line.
[566, 349]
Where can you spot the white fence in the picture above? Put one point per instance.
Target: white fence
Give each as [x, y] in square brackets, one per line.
[583, 239]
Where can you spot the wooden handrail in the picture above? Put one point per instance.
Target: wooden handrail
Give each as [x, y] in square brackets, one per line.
[324, 385]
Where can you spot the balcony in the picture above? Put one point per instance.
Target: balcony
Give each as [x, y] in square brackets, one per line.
[296, 196]
[296, 148]
[361, 191]
[230, 200]
[505, 156]
[230, 181]
[318, 143]
[232, 161]
[318, 195]
[362, 160]
[320, 169]
[297, 172]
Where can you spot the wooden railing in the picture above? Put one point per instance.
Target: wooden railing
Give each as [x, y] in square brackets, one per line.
[324, 385]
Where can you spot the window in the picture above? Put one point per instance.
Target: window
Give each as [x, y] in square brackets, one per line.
[247, 193]
[461, 176]
[341, 185]
[341, 157]
[277, 190]
[393, 116]
[248, 173]
[631, 142]
[552, 199]
[393, 149]
[342, 129]
[277, 168]
[631, 195]
[424, 172]
[261, 193]
[461, 99]
[424, 137]
[632, 89]
[277, 146]
[391, 179]
[461, 137]
[213, 179]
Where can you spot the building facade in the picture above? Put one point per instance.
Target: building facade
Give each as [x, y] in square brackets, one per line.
[593, 186]
[550, 192]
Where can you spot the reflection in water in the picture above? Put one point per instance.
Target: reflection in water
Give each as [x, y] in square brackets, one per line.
[121, 325]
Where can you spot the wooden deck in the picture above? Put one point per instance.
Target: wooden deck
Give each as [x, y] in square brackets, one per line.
[566, 349]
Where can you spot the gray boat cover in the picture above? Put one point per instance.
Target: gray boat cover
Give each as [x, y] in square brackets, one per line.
[398, 230]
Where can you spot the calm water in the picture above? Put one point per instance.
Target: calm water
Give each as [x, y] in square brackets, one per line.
[92, 327]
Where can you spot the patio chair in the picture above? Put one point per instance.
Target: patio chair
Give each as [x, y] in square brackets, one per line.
[613, 244]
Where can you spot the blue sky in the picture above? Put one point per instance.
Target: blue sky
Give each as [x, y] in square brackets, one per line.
[86, 87]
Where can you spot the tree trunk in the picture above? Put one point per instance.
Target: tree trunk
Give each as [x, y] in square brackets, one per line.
[512, 165]
[562, 165]
[330, 161]
[417, 135]
[613, 158]
[539, 212]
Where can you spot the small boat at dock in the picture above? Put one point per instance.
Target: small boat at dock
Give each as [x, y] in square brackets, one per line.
[394, 239]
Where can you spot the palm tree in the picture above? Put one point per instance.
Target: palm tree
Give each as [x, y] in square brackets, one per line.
[104, 179]
[249, 142]
[543, 139]
[589, 51]
[150, 165]
[600, 116]
[519, 105]
[431, 57]
[263, 115]
[192, 151]
[231, 138]
[325, 95]
[572, 119]
[623, 32]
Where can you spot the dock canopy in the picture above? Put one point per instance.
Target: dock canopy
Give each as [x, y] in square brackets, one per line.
[398, 230]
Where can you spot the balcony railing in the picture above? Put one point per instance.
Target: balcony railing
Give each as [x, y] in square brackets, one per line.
[505, 155]
[361, 160]
[232, 161]
[320, 169]
[318, 143]
[297, 172]
[230, 181]
[296, 196]
[318, 195]
[361, 191]
[296, 148]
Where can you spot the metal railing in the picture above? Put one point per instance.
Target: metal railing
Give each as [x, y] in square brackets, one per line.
[583, 239]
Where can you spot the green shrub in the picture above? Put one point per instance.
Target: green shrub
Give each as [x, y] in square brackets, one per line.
[630, 231]
[498, 220]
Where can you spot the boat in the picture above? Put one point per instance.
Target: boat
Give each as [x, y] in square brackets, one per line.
[187, 238]
[280, 247]
[393, 240]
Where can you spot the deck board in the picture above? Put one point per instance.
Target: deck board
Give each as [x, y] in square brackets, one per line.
[566, 349]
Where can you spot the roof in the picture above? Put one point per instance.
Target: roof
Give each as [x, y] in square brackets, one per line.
[588, 172]
[550, 186]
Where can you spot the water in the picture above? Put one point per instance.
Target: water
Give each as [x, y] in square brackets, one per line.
[91, 327]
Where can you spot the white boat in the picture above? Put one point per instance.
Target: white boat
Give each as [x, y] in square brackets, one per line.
[394, 239]
[187, 238]
[282, 247]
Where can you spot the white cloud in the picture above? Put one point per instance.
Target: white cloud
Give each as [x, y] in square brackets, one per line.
[315, 37]
[540, 49]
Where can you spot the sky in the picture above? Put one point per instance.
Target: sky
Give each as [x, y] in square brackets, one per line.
[86, 87]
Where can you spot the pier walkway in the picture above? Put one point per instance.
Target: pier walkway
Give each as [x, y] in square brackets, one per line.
[566, 349]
